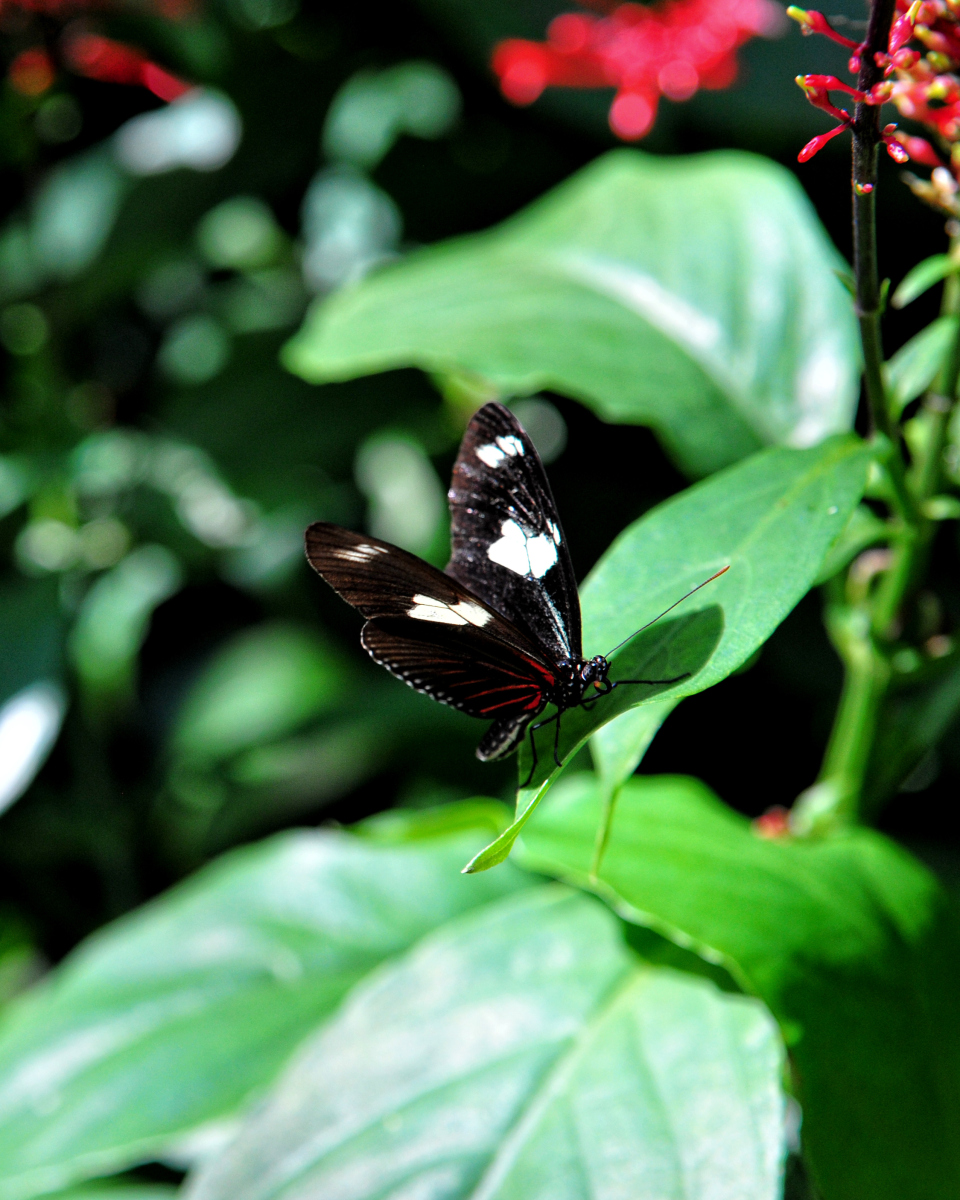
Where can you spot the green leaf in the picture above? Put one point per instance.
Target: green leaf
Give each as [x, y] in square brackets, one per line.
[915, 365]
[847, 940]
[521, 1053]
[170, 1019]
[914, 720]
[114, 618]
[863, 529]
[922, 277]
[771, 519]
[696, 295]
[265, 683]
[672, 649]
[618, 747]
[108, 1189]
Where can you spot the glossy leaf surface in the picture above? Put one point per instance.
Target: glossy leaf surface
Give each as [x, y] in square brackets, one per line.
[771, 519]
[169, 1019]
[720, 324]
[921, 278]
[915, 365]
[522, 1052]
[848, 941]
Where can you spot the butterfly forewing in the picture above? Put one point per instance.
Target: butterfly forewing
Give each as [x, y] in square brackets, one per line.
[508, 546]
[431, 632]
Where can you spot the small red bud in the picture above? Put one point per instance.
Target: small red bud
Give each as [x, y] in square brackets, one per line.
[901, 32]
[817, 144]
[774, 823]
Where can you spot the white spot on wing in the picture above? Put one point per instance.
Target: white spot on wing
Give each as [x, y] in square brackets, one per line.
[360, 553]
[425, 608]
[493, 453]
[523, 552]
[490, 454]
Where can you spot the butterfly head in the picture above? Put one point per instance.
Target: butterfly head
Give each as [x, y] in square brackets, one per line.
[595, 671]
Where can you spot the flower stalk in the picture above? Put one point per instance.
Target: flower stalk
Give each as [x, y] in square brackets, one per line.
[864, 610]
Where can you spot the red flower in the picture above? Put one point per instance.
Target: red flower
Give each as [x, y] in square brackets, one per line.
[101, 58]
[671, 49]
[31, 72]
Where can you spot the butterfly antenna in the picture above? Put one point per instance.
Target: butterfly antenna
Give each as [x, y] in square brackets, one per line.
[722, 571]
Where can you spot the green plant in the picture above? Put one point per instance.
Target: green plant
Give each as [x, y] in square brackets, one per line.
[621, 986]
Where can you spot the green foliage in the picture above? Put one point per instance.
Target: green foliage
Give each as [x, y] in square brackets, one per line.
[915, 365]
[532, 1037]
[107, 1191]
[921, 278]
[721, 325]
[656, 996]
[771, 519]
[849, 941]
[175, 1016]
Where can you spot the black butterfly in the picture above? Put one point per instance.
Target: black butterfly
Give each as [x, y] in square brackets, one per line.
[497, 634]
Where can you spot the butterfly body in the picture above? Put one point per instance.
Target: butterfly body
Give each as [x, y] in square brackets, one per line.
[497, 634]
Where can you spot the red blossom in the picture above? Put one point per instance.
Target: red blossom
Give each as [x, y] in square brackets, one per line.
[670, 49]
[101, 58]
[31, 72]
[923, 86]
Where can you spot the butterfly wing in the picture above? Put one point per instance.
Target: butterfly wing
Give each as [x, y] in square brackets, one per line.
[508, 546]
[462, 667]
[432, 632]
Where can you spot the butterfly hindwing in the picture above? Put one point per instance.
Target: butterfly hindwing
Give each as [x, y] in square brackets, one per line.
[508, 546]
[460, 666]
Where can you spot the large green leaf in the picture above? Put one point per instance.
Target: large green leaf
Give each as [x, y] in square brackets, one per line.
[848, 941]
[770, 519]
[696, 295]
[118, 1190]
[521, 1054]
[172, 1017]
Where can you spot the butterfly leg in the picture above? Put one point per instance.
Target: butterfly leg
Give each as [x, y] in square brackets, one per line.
[556, 740]
[533, 745]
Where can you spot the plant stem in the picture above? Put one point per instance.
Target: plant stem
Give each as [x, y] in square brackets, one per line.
[866, 139]
[866, 677]
[860, 620]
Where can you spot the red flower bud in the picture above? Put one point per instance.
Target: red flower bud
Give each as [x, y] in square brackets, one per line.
[815, 22]
[817, 144]
[901, 32]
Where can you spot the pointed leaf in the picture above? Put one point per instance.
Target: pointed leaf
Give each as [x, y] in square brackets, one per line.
[717, 321]
[848, 940]
[522, 1052]
[915, 366]
[171, 1018]
[921, 278]
[771, 519]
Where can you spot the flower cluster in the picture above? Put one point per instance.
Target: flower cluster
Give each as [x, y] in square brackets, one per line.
[671, 49]
[34, 71]
[921, 80]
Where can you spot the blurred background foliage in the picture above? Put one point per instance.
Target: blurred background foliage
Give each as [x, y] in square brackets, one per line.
[173, 680]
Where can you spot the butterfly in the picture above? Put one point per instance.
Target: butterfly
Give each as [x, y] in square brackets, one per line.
[497, 633]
